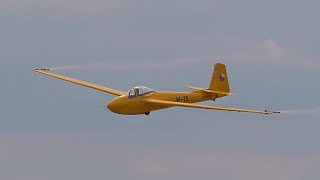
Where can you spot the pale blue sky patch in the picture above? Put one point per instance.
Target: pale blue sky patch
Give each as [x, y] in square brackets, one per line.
[54, 130]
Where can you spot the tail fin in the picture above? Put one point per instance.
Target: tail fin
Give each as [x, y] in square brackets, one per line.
[219, 81]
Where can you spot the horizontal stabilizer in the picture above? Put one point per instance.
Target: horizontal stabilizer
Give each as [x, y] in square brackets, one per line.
[208, 90]
[196, 88]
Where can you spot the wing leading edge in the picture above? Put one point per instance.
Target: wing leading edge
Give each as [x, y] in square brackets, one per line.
[181, 104]
[79, 82]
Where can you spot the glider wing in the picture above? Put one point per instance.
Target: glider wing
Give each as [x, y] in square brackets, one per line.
[79, 82]
[181, 104]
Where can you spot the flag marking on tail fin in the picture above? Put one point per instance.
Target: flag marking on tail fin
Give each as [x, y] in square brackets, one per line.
[222, 77]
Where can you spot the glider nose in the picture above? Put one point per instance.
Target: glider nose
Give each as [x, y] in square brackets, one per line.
[112, 106]
[115, 105]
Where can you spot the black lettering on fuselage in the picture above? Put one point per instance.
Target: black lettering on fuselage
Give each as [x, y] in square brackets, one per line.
[184, 98]
[207, 96]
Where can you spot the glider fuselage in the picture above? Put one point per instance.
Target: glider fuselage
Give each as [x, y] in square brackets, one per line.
[138, 105]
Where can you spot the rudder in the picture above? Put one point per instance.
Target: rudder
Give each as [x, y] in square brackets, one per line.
[219, 81]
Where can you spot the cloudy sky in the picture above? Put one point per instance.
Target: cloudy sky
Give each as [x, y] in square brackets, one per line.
[50, 129]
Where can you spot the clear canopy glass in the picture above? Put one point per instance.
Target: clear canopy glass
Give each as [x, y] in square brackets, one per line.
[139, 91]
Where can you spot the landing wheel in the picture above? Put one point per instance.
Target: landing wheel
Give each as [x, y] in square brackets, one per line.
[147, 113]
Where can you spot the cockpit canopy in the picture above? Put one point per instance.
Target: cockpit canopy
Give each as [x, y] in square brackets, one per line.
[139, 91]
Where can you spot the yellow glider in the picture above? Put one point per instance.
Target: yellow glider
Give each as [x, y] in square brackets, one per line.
[143, 100]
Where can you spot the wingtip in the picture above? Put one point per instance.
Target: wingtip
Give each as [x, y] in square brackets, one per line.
[271, 112]
[43, 69]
